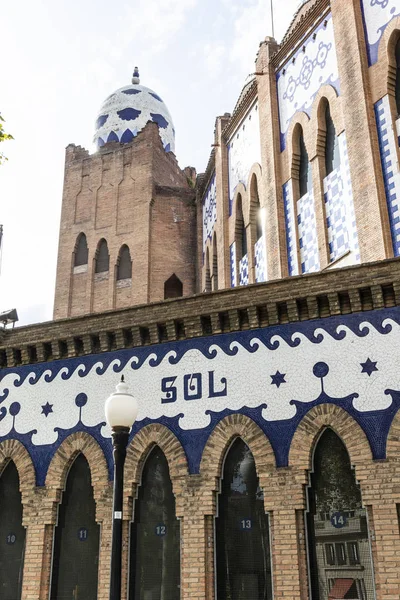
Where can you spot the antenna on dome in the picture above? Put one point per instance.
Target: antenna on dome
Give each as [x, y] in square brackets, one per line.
[135, 76]
[272, 18]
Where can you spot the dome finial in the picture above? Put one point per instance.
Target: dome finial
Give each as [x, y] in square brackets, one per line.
[135, 76]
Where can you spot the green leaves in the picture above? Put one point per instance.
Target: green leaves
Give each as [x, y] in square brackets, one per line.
[3, 137]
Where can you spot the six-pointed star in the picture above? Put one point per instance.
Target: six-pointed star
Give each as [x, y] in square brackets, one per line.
[46, 409]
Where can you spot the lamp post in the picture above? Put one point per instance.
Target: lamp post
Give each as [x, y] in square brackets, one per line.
[121, 410]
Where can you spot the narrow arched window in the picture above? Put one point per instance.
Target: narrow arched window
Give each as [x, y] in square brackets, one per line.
[240, 230]
[242, 531]
[102, 257]
[173, 287]
[339, 548]
[214, 275]
[332, 156]
[81, 251]
[207, 287]
[76, 543]
[124, 268]
[12, 534]
[155, 535]
[397, 53]
[305, 174]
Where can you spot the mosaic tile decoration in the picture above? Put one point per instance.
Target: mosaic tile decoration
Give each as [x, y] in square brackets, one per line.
[300, 79]
[244, 150]
[260, 260]
[388, 141]
[128, 110]
[232, 254]
[274, 375]
[377, 14]
[244, 270]
[209, 211]
[291, 234]
[348, 190]
[307, 229]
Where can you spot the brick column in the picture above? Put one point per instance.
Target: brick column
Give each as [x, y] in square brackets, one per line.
[285, 555]
[37, 561]
[387, 550]
[221, 181]
[363, 149]
[194, 557]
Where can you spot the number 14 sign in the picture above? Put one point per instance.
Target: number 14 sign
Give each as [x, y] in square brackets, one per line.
[338, 520]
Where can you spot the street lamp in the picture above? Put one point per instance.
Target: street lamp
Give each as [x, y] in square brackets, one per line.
[121, 410]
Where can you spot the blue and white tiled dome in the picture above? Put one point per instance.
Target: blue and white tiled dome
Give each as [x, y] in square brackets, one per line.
[128, 110]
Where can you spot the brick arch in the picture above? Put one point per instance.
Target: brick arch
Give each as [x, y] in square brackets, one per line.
[76, 443]
[300, 118]
[139, 449]
[221, 438]
[15, 451]
[388, 42]
[240, 191]
[310, 428]
[393, 439]
[256, 172]
[327, 93]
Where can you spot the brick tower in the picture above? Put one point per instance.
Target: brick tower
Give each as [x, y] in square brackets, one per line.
[127, 232]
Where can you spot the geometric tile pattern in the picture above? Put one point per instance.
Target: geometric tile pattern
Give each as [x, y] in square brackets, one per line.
[339, 208]
[291, 233]
[388, 142]
[232, 255]
[209, 211]
[307, 229]
[300, 78]
[244, 270]
[377, 14]
[260, 260]
[244, 150]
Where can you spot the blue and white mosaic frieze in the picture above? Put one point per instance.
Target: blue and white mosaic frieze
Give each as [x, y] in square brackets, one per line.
[299, 80]
[388, 143]
[377, 15]
[273, 375]
[232, 259]
[339, 208]
[260, 260]
[244, 270]
[291, 230]
[209, 211]
[307, 230]
[244, 150]
[126, 112]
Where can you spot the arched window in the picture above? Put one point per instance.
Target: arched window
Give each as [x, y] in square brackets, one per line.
[155, 536]
[397, 54]
[305, 174]
[241, 236]
[214, 276]
[124, 268]
[12, 534]
[81, 251]
[173, 287]
[339, 549]
[76, 543]
[242, 531]
[332, 156]
[102, 257]
[207, 287]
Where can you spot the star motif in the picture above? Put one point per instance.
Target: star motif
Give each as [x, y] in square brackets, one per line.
[369, 367]
[46, 409]
[278, 379]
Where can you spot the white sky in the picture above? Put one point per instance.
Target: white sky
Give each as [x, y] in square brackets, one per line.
[62, 58]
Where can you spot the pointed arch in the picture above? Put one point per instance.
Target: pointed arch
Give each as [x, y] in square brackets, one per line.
[309, 431]
[173, 287]
[81, 251]
[393, 439]
[102, 257]
[16, 451]
[138, 450]
[124, 263]
[76, 443]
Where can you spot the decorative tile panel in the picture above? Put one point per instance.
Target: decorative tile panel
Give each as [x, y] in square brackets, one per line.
[232, 254]
[244, 150]
[307, 230]
[260, 260]
[388, 142]
[274, 375]
[299, 80]
[209, 212]
[377, 15]
[291, 234]
[339, 208]
[244, 270]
